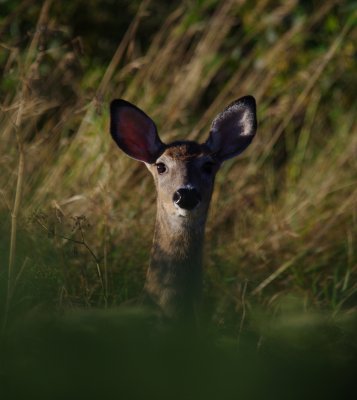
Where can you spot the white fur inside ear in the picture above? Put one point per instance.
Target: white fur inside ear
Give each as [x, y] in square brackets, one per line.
[247, 122]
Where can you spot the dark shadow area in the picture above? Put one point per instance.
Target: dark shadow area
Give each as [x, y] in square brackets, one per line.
[124, 354]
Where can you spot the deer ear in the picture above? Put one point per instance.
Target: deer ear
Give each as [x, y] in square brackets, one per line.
[134, 132]
[233, 129]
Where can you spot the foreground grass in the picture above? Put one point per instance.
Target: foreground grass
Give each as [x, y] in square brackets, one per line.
[97, 353]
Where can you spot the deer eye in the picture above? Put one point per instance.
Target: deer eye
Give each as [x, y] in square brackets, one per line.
[207, 167]
[161, 168]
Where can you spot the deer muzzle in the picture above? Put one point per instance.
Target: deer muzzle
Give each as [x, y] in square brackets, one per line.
[186, 198]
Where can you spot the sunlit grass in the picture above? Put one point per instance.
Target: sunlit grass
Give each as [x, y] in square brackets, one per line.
[283, 216]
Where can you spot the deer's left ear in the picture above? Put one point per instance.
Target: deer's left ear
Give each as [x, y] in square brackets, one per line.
[233, 129]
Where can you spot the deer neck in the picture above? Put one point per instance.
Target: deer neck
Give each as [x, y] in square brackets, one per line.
[174, 276]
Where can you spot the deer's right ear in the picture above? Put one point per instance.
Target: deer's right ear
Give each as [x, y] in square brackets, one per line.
[134, 132]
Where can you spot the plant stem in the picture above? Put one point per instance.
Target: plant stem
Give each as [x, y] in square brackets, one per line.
[14, 214]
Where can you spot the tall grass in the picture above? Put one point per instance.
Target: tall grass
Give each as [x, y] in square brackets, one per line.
[283, 216]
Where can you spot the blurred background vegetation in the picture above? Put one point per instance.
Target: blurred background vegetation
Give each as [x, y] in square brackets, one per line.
[282, 227]
[283, 215]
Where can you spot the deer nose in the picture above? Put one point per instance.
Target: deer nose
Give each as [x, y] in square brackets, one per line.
[187, 198]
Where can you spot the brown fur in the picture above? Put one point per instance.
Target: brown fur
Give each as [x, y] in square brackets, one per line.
[175, 272]
[174, 276]
[185, 150]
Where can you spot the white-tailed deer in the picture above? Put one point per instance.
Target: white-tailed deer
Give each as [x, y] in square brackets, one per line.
[184, 173]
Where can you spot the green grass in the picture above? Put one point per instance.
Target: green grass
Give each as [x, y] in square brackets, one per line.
[282, 222]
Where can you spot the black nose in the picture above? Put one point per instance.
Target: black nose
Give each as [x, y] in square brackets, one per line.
[187, 198]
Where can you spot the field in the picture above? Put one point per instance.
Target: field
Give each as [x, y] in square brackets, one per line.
[77, 215]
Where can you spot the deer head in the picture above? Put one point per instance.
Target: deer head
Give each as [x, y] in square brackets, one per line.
[184, 171]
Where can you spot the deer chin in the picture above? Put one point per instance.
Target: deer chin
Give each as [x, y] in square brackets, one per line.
[182, 213]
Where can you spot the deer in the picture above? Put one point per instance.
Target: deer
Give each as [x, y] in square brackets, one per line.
[184, 174]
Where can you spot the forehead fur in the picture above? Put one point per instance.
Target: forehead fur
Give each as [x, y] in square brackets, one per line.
[185, 150]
